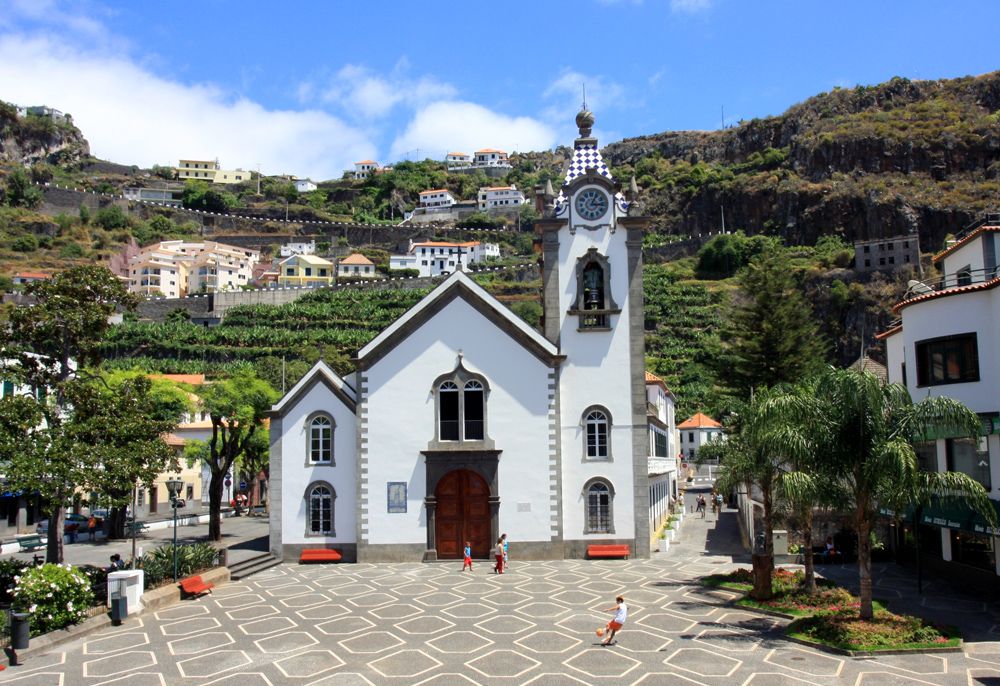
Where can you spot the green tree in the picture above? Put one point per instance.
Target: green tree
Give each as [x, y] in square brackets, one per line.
[872, 428]
[25, 243]
[237, 407]
[750, 457]
[770, 336]
[45, 345]
[198, 195]
[728, 253]
[111, 217]
[21, 192]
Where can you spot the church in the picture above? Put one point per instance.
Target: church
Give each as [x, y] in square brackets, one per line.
[462, 422]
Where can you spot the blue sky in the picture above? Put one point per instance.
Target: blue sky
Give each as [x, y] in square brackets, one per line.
[309, 87]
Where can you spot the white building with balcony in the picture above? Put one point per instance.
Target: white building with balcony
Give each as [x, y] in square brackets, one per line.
[947, 342]
[458, 159]
[177, 268]
[490, 157]
[298, 248]
[434, 258]
[438, 197]
[364, 169]
[494, 197]
[211, 171]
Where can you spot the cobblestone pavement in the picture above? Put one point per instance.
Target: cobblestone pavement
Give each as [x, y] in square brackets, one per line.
[346, 625]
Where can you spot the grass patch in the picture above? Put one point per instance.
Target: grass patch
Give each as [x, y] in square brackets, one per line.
[886, 631]
[736, 580]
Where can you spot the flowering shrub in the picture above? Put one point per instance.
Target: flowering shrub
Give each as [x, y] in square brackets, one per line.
[55, 596]
[9, 570]
[885, 631]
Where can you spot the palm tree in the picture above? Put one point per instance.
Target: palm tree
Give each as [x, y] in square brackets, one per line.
[751, 457]
[872, 427]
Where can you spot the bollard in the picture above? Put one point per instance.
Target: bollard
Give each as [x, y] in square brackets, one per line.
[20, 630]
[119, 601]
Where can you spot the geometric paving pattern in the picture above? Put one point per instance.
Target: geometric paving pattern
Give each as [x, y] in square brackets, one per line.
[431, 624]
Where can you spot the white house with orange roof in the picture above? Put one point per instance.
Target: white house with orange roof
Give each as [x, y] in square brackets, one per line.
[23, 278]
[433, 258]
[364, 169]
[437, 197]
[696, 431]
[493, 197]
[490, 157]
[356, 264]
[947, 343]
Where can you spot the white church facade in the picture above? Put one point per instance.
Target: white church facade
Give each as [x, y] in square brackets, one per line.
[462, 422]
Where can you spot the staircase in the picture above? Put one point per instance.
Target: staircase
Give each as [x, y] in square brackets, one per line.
[252, 565]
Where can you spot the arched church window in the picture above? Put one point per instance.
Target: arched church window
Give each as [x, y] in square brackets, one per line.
[599, 497]
[320, 440]
[596, 432]
[474, 410]
[319, 501]
[461, 406]
[448, 411]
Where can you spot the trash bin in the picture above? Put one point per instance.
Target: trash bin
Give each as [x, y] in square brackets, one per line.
[118, 596]
[20, 630]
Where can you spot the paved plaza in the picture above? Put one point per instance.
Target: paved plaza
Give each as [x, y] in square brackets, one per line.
[432, 624]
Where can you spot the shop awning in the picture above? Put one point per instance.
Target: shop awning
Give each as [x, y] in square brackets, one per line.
[956, 514]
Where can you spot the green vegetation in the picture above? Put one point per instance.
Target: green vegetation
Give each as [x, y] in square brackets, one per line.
[55, 596]
[192, 558]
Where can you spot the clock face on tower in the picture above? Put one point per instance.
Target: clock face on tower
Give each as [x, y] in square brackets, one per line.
[591, 204]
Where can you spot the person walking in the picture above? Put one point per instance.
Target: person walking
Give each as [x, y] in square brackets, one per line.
[701, 505]
[718, 504]
[92, 528]
[467, 553]
[614, 626]
[498, 554]
[506, 558]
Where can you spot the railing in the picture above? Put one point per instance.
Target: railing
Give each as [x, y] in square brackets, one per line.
[965, 277]
[988, 219]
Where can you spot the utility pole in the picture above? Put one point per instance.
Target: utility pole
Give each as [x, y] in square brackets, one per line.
[722, 209]
[258, 178]
[723, 116]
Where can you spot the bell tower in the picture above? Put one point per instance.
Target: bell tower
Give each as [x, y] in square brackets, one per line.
[591, 242]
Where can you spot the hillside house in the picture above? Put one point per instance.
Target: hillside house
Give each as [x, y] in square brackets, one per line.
[433, 258]
[211, 171]
[177, 268]
[364, 169]
[495, 197]
[298, 248]
[439, 197]
[458, 159]
[887, 254]
[304, 185]
[490, 157]
[23, 278]
[356, 264]
[161, 196]
[305, 270]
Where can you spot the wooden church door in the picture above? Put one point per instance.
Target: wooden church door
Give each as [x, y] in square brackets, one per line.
[462, 514]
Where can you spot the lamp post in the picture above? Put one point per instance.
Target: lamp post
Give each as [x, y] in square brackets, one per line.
[174, 486]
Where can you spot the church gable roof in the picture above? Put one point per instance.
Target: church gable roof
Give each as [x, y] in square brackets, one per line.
[458, 285]
[320, 373]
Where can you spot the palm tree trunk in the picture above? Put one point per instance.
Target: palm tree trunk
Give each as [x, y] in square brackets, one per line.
[763, 565]
[807, 550]
[865, 568]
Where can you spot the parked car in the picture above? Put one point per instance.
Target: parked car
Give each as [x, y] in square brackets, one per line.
[74, 522]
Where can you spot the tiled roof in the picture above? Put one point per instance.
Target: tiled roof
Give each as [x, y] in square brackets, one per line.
[585, 157]
[498, 188]
[366, 162]
[958, 244]
[32, 275]
[699, 421]
[356, 258]
[458, 154]
[485, 150]
[867, 364]
[436, 190]
[986, 285]
[891, 331]
[309, 259]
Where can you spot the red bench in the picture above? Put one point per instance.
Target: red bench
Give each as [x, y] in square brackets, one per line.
[320, 555]
[195, 586]
[608, 550]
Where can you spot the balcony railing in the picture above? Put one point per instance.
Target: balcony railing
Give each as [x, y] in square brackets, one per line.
[965, 277]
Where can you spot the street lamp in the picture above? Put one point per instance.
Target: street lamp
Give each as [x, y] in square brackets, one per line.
[174, 487]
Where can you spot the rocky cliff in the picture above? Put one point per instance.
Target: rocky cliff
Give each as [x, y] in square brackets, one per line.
[27, 140]
[867, 162]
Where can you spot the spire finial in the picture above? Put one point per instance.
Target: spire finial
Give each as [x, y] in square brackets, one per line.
[584, 96]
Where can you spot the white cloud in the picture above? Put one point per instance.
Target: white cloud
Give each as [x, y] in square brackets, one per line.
[690, 6]
[133, 116]
[361, 93]
[445, 126]
[565, 96]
